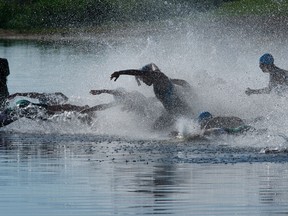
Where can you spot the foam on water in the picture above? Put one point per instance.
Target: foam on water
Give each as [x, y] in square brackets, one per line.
[219, 61]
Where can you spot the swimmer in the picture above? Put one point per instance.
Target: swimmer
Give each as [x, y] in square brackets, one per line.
[52, 109]
[221, 124]
[217, 125]
[132, 101]
[52, 103]
[44, 98]
[278, 80]
[50, 106]
[12, 114]
[165, 91]
[36, 111]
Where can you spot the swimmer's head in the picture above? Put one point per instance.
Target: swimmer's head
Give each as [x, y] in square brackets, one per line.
[147, 68]
[204, 116]
[266, 59]
[150, 67]
[23, 103]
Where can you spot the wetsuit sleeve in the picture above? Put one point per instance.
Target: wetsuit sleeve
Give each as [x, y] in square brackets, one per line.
[99, 107]
[265, 90]
[106, 91]
[131, 72]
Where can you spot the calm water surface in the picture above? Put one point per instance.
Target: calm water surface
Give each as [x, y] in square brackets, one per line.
[67, 172]
[98, 175]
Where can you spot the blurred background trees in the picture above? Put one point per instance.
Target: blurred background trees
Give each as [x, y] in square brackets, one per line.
[33, 14]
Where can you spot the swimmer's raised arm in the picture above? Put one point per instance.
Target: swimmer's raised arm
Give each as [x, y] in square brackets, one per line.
[131, 72]
[265, 90]
[98, 92]
[99, 107]
[107, 91]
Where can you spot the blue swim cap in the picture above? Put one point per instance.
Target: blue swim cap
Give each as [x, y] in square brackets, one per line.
[150, 67]
[23, 103]
[267, 59]
[204, 116]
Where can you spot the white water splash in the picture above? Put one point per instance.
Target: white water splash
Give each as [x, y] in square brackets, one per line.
[218, 61]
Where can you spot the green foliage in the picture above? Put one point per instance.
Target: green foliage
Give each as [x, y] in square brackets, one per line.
[53, 13]
[7, 10]
[255, 7]
[39, 14]
[31, 14]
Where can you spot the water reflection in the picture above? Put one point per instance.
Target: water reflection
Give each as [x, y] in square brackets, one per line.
[161, 184]
[99, 175]
[147, 189]
[272, 187]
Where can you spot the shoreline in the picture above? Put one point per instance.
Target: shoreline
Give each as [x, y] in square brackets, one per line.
[275, 27]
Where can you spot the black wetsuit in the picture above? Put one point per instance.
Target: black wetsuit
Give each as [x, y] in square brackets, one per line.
[4, 72]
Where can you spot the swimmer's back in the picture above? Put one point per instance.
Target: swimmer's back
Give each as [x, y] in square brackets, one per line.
[224, 122]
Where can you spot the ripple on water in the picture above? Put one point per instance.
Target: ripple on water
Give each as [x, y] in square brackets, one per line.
[45, 174]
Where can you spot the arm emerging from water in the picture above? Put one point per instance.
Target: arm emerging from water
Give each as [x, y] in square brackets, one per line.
[107, 91]
[99, 107]
[52, 109]
[131, 72]
[265, 90]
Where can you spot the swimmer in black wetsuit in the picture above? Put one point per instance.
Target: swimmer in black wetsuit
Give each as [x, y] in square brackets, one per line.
[165, 91]
[27, 109]
[221, 124]
[44, 98]
[12, 114]
[52, 103]
[52, 109]
[4, 72]
[217, 125]
[278, 77]
[129, 101]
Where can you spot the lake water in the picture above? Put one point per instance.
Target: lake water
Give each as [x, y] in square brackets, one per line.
[117, 165]
[98, 175]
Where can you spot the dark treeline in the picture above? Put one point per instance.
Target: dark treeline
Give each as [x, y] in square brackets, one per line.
[37, 14]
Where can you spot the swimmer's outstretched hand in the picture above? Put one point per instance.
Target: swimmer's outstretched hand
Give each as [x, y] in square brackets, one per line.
[249, 91]
[115, 75]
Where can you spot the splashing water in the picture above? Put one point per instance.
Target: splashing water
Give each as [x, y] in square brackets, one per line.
[219, 61]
